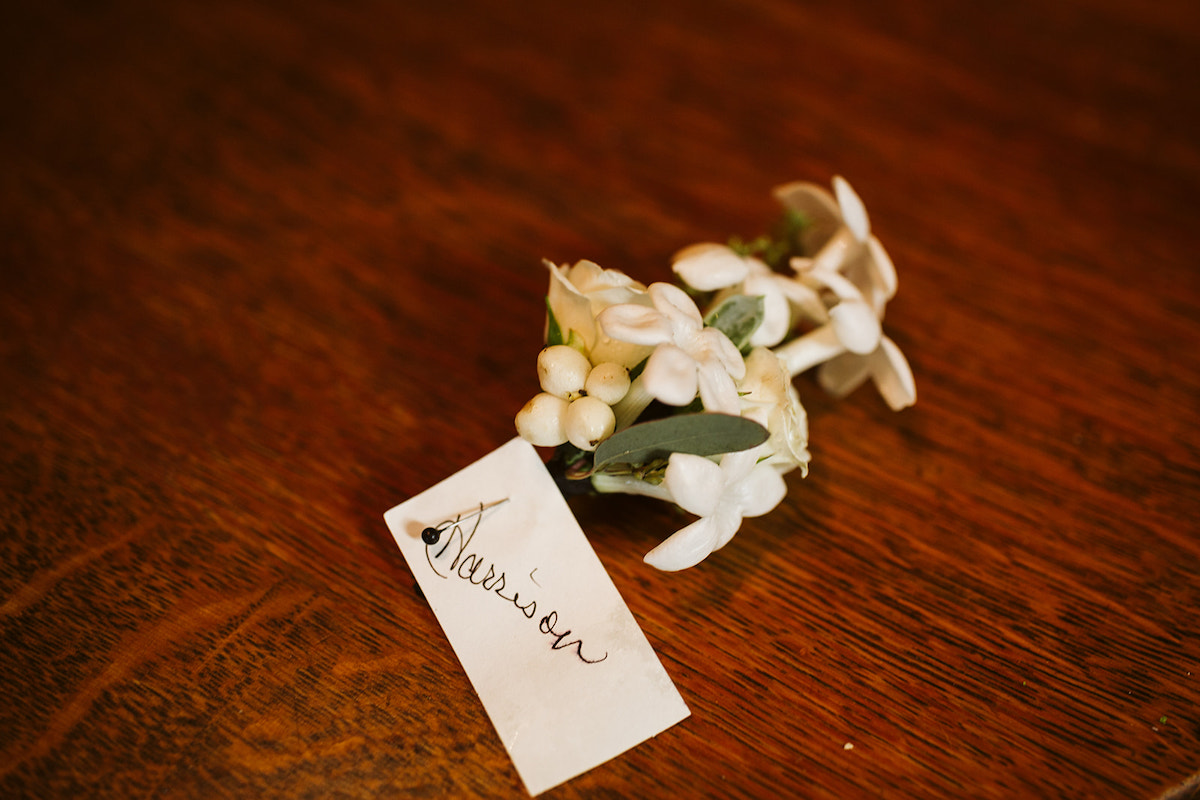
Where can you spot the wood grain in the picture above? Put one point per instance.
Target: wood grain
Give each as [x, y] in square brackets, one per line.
[270, 268]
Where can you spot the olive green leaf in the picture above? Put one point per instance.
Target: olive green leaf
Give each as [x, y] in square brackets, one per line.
[554, 334]
[738, 318]
[705, 434]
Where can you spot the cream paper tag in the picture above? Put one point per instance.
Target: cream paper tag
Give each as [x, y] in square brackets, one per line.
[564, 672]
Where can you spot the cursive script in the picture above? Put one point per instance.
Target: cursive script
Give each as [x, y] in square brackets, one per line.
[470, 566]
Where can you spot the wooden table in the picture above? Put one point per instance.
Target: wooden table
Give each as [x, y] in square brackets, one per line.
[270, 268]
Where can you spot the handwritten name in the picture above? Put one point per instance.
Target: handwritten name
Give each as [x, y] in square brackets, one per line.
[470, 566]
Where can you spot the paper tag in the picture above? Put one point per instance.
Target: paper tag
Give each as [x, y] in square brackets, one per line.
[564, 672]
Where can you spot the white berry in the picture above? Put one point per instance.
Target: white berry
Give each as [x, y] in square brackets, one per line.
[588, 422]
[542, 422]
[607, 382]
[562, 371]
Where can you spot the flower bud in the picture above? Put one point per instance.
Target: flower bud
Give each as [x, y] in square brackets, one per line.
[588, 422]
[608, 382]
[562, 371]
[542, 421]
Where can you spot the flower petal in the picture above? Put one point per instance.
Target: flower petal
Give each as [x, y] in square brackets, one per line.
[626, 354]
[726, 523]
[636, 324]
[777, 314]
[872, 271]
[760, 491]
[670, 376]
[853, 319]
[843, 374]
[718, 392]
[711, 344]
[818, 206]
[886, 367]
[854, 213]
[789, 435]
[589, 277]
[708, 267]
[893, 376]
[761, 384]
[856, 326]
[695, 482]
[885, 270]
[805, 298]
[837, 283]
[677, 306]
[572, 310]
[686, 547]
[737, 465]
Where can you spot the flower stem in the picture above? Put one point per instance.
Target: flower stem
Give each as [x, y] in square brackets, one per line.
[836, 252]
[814, 347]
[627, 484]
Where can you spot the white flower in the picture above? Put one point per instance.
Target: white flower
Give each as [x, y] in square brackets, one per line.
[886, 366]
[710, 267]
[839, 236]
[721, 496]
[687, 358]
[577, 294]
[850, 325]
[769, 398]
[857, 274]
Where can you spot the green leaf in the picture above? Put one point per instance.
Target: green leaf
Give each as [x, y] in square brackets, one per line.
[738, 318]
[554, 333]
[704, 434]
[777, 247]
[785, 240]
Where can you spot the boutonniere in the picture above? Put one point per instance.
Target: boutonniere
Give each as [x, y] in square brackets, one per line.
[684, 392]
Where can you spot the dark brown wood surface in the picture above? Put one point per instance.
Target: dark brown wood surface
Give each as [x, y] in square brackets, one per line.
[269, 268]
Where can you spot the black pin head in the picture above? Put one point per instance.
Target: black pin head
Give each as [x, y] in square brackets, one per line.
[431, 535]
